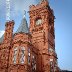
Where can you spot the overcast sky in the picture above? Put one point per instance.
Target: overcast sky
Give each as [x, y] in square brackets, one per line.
[63, 25]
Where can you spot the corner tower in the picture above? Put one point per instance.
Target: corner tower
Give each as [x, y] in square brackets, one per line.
[8, 35]
[42, 31]
[5, 46]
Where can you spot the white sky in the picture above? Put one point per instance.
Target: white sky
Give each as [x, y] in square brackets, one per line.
[1, 33]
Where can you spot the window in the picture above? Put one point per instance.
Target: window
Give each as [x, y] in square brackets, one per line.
[55, 66]
[15, 55]
[50, 50]
[38, 21]
[33, 63]
[51, 65]
[29, 56]
[22, 55]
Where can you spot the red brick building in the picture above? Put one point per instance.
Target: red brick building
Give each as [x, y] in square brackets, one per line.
[30, 49]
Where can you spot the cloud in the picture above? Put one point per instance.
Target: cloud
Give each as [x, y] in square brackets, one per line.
[17, 10]
[2, 8]
[18, 6]
[1, 33]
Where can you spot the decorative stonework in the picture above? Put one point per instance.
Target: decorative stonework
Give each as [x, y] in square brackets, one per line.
[40, 40]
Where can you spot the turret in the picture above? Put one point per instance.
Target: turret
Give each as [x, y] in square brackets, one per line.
[8, 35]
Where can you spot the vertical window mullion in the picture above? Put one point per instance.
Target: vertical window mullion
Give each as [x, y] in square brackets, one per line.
[28, 55]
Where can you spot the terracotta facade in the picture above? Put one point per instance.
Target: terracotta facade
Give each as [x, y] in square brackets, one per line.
[33, 51]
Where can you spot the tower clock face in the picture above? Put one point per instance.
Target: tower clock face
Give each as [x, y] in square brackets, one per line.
[38, 21]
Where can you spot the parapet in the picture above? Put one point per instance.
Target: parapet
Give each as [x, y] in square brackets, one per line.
[9, 22]
[42, 4]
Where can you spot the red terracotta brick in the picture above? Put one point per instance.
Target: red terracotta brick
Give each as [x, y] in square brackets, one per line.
[40, 41]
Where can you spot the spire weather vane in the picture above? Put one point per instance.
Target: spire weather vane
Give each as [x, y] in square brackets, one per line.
[24, 14]
[7, 10]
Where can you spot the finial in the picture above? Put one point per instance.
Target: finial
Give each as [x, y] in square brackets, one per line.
[24, 14]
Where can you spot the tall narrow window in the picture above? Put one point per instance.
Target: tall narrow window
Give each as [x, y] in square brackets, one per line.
[22, 55]
[28, 55]
[51, 65]
[33, 63]
[15, 55]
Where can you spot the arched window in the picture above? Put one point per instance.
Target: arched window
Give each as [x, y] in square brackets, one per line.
[14, 55]
[22, 55]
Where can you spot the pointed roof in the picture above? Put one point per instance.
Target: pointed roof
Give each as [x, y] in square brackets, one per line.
[1, 39]
[23, 26]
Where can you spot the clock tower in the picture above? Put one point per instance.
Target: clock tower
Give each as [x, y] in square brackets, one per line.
[42, 31]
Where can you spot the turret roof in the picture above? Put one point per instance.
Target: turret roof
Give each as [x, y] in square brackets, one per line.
[23, 26]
